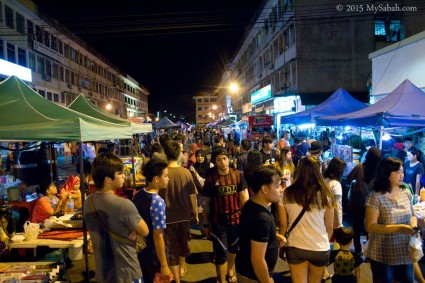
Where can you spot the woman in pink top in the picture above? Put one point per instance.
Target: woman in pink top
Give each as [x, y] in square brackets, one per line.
[48, 204]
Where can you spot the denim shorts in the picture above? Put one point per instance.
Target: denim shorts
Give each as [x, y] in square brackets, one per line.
[297, 256]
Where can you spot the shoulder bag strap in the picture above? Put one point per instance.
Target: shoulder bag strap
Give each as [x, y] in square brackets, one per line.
[296, 221]
[113, 235]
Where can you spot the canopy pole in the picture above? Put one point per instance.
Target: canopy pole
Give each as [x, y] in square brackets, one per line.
[83, 196]
[132, 163]
[381, 134]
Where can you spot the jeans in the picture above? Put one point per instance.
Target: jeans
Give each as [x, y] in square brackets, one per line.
[384, 273]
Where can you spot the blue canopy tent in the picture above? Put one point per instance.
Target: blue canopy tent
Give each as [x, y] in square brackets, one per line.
[403, 107]
[166, 123]
[338, 103]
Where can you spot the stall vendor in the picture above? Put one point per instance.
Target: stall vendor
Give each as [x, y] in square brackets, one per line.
[48, 204]
[71, 187]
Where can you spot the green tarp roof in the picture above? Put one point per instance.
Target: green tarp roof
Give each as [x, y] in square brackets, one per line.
[83, 105]
[26, 116]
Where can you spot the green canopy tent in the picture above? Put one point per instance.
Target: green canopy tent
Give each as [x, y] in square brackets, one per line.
[83, 105]
[26, 116]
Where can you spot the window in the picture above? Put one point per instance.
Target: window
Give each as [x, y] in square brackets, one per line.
[55, 71]
[380, 33]
[42, 93]
[22, 57]
[61, 74]
[48, 68]
[1, 49]
[56, 97]
[9, 16]
[206, 100]
[30, 30]
[11, 54]
[388, 30]
[20, 23]
[62, 95]
[60, 46]
[38, 34]
[199, 108]
[67, 76]
[213, 99]
[31, 61]
[47, 39]
[199, 100]
[40, 65]
[49, 96]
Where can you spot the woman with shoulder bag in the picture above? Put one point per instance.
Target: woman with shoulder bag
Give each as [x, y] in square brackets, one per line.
[311, 202]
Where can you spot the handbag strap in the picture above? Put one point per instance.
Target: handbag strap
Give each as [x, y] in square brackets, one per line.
[113, 235]
[296, 221]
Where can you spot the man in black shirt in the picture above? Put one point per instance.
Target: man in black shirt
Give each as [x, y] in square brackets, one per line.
[258, 239]
[268, 154]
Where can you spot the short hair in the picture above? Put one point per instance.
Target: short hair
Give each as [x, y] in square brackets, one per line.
[172, 150]
[246, 144]
[385, 168]
[105, 165]
[154, 167]
[44, 186]
[163, 139]
[156, 147]
[179, 137]
[102, 150]
[335, 169]
[267, 139]
[344, 235]
[218, 139]
[263, 176]
[408, 139]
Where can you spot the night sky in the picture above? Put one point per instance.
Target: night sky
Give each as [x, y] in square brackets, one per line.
[176, 49]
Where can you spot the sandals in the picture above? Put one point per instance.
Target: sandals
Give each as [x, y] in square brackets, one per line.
[231, 278]
[183, 272]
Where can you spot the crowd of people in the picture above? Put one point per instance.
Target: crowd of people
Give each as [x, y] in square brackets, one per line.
[257, 201]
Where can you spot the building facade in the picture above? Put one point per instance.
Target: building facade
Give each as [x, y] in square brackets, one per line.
[63, 65]
[207, 109]
[305, 50]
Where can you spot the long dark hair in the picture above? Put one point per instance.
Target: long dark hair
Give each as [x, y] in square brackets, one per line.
[307, 184]
[373, 158]
[254, 160]
[385, 168]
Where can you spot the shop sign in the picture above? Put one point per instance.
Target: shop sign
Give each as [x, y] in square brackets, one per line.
[284, 104]
[247, 107]
[261, 94]
[10, 69]
[47, 51]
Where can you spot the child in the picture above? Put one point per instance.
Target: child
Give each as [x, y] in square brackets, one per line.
[346, 263]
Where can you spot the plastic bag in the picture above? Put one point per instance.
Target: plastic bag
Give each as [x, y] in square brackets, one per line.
[415, 247]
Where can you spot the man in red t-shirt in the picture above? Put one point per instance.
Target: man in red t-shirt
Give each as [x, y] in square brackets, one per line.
[225, 192]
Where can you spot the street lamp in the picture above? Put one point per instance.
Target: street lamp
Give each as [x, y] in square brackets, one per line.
[108, 106]
[234, 87]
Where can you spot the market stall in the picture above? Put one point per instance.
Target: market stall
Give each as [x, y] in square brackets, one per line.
[338, 103]
[41, 120]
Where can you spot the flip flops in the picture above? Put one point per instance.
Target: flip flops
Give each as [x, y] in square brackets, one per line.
[183, 272]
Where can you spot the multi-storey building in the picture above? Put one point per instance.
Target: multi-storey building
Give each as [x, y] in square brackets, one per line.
[305, 50]
[63, 65]
[207, 109]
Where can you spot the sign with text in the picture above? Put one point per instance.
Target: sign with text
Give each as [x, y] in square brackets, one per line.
[48, 51]
[261, 94]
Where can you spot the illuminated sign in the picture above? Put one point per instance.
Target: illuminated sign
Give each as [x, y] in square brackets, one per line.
[10, 69]
[262, 94]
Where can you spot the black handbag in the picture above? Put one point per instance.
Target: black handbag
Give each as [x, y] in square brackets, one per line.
[283, 250]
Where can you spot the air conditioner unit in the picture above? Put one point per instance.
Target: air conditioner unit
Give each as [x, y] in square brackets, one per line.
[70, 86]
[47, 78]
